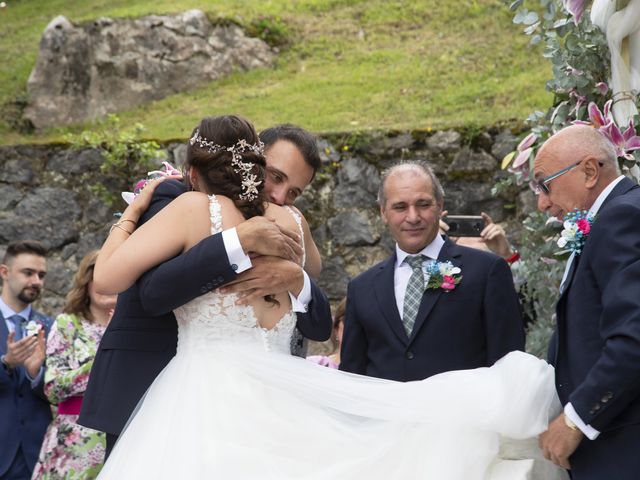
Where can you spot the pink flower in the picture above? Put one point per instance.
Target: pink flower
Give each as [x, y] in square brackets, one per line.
[447, 286]
[575, 8]
[448, 282]
[597, 118]
[602, 87]
[584, 226]
[623, 142]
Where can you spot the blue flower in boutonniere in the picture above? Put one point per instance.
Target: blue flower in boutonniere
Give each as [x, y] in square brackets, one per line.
[577, 226]
[443, 275]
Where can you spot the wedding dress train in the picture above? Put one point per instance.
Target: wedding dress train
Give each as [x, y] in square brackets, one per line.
[233, 404]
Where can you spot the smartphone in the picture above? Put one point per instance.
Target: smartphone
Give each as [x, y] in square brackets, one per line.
[464, 225]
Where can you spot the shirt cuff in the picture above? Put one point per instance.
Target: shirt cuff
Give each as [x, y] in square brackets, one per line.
[590, 432]
[35, 381]
[301, 304]
[239, 260]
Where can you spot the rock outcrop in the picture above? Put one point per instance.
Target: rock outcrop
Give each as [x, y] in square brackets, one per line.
[86, 71]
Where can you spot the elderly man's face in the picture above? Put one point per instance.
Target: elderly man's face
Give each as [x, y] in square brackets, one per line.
[566, 191]
[411, 211]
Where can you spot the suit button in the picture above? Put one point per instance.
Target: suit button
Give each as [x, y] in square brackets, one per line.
[234, 267]
[409, 355]
[220, 280]
[210, 286]
[203, 289]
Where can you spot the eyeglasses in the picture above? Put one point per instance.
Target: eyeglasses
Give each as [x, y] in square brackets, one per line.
[541, 186]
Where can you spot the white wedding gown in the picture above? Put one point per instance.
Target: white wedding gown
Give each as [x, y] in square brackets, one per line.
[234, 404]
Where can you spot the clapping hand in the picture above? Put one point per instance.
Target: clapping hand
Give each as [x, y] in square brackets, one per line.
[28, 352]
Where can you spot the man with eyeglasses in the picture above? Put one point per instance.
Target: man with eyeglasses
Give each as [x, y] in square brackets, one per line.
[596, 345]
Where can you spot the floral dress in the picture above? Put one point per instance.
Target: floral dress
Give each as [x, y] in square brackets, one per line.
[69, 450]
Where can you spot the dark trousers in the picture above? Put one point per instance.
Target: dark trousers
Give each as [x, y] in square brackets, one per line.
[611, 456]
[19, 470]
[111, 441]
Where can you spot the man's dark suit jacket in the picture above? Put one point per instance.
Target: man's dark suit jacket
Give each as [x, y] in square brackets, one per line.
[142, 335]
[471, 326]
[25, 412]
[596, 348]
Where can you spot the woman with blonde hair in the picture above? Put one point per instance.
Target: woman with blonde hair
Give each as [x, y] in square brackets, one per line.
[69, 450]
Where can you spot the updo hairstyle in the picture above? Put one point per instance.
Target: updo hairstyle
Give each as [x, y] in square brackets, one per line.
[215, 168]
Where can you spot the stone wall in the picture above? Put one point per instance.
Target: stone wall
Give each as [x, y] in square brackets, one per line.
[45, 194]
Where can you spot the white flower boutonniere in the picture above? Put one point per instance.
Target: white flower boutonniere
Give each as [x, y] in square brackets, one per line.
[443, 275]
[577, 226]
[33, 327]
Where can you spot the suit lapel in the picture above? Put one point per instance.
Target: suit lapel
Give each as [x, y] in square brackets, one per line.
[4, 333]
[385, 295]
[449, 252]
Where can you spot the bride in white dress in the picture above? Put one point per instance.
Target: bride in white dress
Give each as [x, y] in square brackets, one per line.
[233, 404]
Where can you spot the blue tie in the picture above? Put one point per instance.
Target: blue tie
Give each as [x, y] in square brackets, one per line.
[18, 326]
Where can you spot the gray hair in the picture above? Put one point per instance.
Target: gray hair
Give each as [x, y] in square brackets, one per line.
[421, 165]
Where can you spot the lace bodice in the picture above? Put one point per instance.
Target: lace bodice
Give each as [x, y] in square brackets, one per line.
[215, 317]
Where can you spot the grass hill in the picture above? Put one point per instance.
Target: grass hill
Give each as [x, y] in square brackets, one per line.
[346, 65]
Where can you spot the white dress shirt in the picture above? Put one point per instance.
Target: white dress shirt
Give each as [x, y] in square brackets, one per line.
[403, 271]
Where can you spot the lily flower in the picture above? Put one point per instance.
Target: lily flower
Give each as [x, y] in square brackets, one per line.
[575, 8]
[624, 143]
[598, 119]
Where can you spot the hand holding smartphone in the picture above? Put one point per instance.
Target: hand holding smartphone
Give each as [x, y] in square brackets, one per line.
[464, 225]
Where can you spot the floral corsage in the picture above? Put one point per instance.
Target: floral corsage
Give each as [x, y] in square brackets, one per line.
[443, 275]
[168, 170]
[33, 327]
[577, 226]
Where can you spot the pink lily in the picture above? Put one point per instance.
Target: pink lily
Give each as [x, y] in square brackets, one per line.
[527, 142]
[597, 118]
[522, 158]
[602, 87]
[575, 8]
[623, 142]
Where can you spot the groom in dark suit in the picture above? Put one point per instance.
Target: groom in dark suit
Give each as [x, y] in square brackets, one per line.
[142, 335]
[596, 346]
[415, 315]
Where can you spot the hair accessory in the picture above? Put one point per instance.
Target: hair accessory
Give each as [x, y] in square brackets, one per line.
[249, 182]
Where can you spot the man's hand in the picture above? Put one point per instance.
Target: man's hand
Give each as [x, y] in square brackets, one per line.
[262, 236]
[559, 442]
[495, 238]
[18, 352]
[33, 363]
[268, 276]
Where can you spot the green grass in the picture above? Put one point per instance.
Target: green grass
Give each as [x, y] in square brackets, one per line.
[421, 64]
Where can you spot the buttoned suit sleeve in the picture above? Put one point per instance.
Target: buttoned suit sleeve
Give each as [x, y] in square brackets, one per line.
[502, 313]
[316, 323]
[612, 254]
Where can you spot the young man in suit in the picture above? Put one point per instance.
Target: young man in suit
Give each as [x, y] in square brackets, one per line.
[142, 335]
[396, 326]
[596, 345]
[25, 411]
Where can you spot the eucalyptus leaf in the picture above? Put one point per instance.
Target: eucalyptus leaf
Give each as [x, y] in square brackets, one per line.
[530, 18]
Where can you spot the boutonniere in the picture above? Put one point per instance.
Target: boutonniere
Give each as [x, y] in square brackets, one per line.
[443, 275]
[33, 327]
[577, 226]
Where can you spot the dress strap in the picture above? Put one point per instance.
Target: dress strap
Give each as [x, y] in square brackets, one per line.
[215, 215]
[298, 219]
